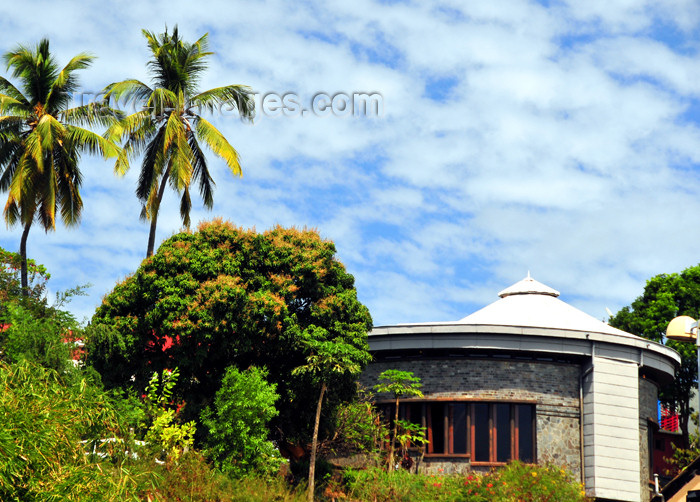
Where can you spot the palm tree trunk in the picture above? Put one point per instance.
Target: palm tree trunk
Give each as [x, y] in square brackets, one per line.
[154, 218]
[23, 254]
[314, 445]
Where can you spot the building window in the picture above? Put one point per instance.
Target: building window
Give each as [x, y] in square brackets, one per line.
[488, 433]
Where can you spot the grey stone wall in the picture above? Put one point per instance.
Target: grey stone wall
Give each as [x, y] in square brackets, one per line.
[648, 399]
[554, 387]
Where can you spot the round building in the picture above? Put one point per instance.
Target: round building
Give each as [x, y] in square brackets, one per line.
[530, 377]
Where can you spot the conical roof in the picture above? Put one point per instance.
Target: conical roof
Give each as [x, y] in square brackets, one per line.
[530, 303]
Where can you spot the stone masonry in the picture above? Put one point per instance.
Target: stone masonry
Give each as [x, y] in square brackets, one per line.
[553, 387]
[648, 399]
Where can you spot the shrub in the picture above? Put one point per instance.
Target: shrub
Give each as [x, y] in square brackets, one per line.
[43, 423]
[515, 482]
[358, 427]
[237, 440]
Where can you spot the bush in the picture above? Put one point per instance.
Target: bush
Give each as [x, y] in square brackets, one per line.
[516, 482]
[43, 423]
[237, 440]
[358, 427]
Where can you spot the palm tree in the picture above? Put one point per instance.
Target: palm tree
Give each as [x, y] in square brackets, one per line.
[41, 141]
[168, 127]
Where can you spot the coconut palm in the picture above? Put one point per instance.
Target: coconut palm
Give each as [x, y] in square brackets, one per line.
[41, 140]
[168, 128]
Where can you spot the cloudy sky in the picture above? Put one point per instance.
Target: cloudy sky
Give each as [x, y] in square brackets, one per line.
[556, 137]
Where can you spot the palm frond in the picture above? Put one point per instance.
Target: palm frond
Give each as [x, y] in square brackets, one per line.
[185, 207]
[51, 131]
[13, 125]
[150, 205]
[237, 97]
[218, 144]
[6, 87]
[163, 101]
[9, 158]
[177, 65]
[47, 197]
[68, 181]
[136, 125]
[122, 165]
[92, 114]
[36, 69]
[174, 128]
[200, 172]
[84, 139]
[32, 150]
[66, 82]
[11, 213]
[15, 108]
[180, 163]
[152, 166]
[129, 91]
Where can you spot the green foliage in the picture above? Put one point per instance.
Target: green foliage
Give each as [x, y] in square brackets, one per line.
[165, 434]
[237, 440]
[358, 426]
[666, 296]
[171, 438]
[43, 423]
[10, 283]
[410, 434]
[252, 489]
[515, 482]
[131, 410]
[159, 391]
[399, 384]
[227, 296]
[193, 480]
[328, 357]
[683, 457]
[41, 340]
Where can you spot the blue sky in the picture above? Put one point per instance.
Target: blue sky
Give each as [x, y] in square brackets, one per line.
[559, 137]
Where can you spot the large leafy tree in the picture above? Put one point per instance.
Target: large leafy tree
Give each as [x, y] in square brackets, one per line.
[666, 296]
[42, 138]
[169, 129]
[226, 296]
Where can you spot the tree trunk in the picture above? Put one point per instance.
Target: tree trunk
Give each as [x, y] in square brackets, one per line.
[23, 254]
[393, 438]
[154, 218]
[314, 445]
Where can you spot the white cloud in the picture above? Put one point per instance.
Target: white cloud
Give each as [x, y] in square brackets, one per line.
[565, 142]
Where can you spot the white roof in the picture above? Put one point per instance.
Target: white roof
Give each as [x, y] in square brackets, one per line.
[530, 303]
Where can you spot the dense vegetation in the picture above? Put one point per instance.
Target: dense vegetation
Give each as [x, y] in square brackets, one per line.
[67, 438]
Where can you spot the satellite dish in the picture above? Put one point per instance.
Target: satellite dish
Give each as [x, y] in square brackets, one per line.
[682, 329]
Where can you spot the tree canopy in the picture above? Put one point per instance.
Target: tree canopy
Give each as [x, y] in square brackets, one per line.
[666, 296]
[224, 296]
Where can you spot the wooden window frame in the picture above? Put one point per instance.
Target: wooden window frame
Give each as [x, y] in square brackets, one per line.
[448, 427]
